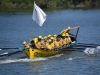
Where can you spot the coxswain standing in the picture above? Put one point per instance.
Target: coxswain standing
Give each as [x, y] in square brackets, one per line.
[71, 36]
[68, 29]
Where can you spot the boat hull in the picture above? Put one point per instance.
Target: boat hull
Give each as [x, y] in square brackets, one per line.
[34, 53]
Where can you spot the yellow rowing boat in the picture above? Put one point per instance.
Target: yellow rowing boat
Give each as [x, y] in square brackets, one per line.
[34, 53]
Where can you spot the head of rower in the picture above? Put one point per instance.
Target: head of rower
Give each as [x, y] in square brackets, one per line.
[39, 38]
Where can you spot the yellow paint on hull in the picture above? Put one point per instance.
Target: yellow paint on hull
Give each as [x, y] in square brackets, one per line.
[34, 53]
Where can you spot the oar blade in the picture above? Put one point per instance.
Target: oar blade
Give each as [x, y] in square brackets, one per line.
[9, 54]
[98, 47]
[89, 51]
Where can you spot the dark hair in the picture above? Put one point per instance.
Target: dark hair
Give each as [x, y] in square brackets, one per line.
[58, 36]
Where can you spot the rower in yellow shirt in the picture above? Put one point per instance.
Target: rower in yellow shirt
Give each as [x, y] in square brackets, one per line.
[50, 45]
[58, 42]
[38, 42]
[43, 42]
[33, 42]
[68, 38]
[64, 39]
[25, 45]
[68, 29]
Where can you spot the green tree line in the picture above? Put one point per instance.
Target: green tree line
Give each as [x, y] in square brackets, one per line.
[28, 4]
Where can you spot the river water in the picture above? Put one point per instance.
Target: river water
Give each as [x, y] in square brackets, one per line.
[16, 27]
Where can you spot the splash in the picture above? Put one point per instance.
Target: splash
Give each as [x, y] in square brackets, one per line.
[69, 58]
[76, 57]
[58, 55]
[7, 61]
[4, 53]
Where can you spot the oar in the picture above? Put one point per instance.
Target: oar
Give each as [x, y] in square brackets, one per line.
[11, 48]
[71, 48]
[84, 46]
[78, 48]
[9, 54]
[76, 34]
[88, 44]
[75, 49]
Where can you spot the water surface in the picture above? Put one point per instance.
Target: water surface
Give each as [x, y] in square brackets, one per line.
[16, 27]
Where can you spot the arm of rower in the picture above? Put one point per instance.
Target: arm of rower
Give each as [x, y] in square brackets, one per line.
[73, 28]
[76, 27]
[37, 46]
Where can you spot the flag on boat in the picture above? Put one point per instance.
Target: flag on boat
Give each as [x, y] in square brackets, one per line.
[38, 15]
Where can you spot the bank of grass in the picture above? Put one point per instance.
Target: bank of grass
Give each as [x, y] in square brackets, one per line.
[7, 5]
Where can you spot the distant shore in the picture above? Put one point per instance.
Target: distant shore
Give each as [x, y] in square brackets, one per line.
[21, 5]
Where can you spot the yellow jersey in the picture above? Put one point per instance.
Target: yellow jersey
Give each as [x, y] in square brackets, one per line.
[40, 45]
[50, 46]
[65, 41]
[57, 43]
[35, 40]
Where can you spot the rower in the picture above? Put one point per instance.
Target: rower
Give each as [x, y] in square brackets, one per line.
[58, 42]
[49, 36]
[25, 45]
[50, 45]
[33, 42]
[64, 39]
[68, 29]
[39, 44]
[54, 36]
[68, 38]
[43, 42]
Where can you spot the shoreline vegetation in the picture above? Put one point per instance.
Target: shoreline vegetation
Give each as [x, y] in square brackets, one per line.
[47, 4]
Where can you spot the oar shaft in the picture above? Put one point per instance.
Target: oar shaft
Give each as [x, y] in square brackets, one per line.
[88, 44]
[9, 54]
[75, 49]
[76, 34]
[11, 48]
[84, 46]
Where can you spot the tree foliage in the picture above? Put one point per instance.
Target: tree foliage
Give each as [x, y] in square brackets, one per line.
[28, 4]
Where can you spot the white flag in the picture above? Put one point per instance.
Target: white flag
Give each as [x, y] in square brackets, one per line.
[38, 15]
